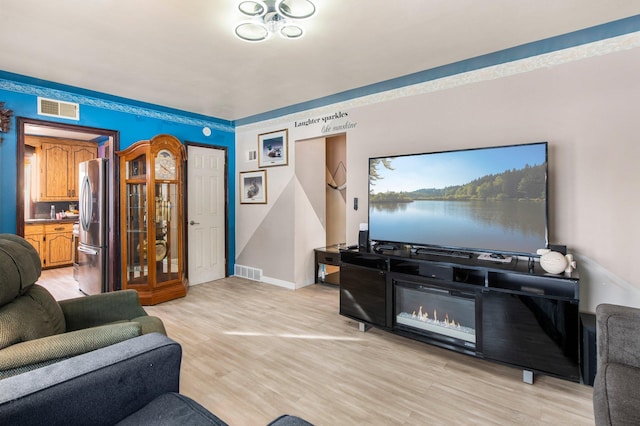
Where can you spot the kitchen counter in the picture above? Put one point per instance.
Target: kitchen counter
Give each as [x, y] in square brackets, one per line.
[46, 221]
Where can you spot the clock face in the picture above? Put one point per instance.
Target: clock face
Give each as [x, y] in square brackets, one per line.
[165, 165]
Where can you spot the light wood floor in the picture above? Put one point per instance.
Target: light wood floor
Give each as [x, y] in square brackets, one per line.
[253, 351]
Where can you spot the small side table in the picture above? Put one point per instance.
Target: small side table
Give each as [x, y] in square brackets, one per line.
[327, 265]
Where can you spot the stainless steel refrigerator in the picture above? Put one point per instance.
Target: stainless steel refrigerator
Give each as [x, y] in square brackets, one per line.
[92, 247]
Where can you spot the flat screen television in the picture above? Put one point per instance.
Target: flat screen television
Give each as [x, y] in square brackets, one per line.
[490, 199]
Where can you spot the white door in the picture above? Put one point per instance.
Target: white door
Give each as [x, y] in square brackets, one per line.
[206, 215]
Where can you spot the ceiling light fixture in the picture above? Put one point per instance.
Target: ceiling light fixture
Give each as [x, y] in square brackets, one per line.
[268, 17]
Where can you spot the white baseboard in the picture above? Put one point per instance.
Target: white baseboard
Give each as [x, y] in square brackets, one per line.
[279, 283]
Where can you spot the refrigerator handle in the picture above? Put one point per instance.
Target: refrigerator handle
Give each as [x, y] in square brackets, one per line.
[86, 206]
[88, 250]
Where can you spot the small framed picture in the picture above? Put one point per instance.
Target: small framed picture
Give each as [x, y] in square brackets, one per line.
[272, 149]
[253, 187]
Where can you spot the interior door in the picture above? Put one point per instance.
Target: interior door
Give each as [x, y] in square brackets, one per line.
[206, 192]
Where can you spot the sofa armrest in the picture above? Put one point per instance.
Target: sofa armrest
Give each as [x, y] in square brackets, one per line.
[617, 335]
[29, 355]
[100, 309]
[98, 388]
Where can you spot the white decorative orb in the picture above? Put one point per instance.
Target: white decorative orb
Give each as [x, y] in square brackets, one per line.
[553, 262]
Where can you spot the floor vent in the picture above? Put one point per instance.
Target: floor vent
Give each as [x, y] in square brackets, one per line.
[248, 272]
[53, 108]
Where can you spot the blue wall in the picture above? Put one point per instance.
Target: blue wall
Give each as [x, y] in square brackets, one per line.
[133, 120]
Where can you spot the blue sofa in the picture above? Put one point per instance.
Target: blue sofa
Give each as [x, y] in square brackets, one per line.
[134, 382]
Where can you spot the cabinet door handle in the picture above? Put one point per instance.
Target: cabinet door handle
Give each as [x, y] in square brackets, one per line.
[59, 229]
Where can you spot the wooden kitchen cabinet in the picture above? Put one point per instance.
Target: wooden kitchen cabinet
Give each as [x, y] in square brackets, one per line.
[34, 233]
[58, 161]
[59, 244]
[80, 152]
[52, 241]
[53, 172]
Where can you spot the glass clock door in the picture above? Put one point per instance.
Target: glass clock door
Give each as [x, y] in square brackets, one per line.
[166, 224]
[136, 233]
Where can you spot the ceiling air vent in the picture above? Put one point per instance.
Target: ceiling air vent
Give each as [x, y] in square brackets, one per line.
[60, 109]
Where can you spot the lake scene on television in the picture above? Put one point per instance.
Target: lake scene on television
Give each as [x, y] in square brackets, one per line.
[491, 199]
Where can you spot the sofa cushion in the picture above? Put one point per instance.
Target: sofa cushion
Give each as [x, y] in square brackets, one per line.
[20, 267]
[172, 409]
[96, 388]
[616, 397]
[25, 356]
[617, 334]
[31, 316]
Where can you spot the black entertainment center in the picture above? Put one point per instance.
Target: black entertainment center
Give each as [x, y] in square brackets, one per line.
[453, 258]
[513, 313]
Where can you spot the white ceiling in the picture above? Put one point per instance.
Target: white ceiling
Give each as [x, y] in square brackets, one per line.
[182, 54]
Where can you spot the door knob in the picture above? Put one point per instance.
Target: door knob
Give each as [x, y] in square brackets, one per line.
[194, 223]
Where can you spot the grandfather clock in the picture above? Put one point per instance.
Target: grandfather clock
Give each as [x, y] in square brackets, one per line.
[152, 219]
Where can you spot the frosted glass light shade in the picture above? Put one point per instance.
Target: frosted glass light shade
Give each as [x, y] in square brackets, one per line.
[252, 31]
[296, 9]
[252, 8]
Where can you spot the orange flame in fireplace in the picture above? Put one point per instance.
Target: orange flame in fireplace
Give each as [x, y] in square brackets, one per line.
[425, 316]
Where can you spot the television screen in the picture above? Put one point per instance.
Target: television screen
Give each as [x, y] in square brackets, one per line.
[487, 199]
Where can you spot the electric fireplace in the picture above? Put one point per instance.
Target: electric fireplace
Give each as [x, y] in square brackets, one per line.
[433, 312]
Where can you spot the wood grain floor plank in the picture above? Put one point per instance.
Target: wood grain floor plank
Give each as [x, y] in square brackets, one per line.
[253, 351]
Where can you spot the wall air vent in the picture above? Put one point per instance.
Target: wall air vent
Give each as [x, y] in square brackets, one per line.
[53, 108]
[248, 272]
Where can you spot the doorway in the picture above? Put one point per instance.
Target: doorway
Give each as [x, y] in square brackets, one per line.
[321, 209]
[107, 142]
[336, 189]
[206, 213]
[322, 174]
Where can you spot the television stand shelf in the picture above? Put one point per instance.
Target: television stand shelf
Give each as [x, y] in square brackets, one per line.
[327, 265]
[512, 313]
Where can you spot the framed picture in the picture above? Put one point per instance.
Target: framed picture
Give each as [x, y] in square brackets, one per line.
[253, 187]
[272, 149]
